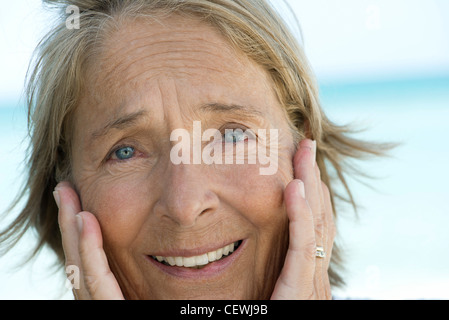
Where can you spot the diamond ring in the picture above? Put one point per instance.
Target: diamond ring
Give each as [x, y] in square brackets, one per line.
[320, 253]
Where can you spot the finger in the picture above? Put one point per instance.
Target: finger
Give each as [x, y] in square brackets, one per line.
[69, 206]
[330, 235]
[330, 223]
[322, 208]
[322, 288]
[99, 279]
[297, 275]
[324, 291]
[305, 170]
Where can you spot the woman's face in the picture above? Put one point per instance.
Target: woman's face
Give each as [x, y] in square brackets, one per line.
[150, 80]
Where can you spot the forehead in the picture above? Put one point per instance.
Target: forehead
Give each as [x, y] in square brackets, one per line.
[141, 50]
[182, 47]
[141, 54]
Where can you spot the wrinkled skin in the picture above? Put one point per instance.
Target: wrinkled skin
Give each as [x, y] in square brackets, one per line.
[164, 75]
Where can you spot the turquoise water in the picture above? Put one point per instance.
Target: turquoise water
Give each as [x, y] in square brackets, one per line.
[398, 247]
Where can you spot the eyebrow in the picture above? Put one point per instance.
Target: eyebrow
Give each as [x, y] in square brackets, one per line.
[119, 123]
[125, 121]
[247, 111]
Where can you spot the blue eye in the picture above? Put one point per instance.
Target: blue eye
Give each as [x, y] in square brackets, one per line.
[124, 153]
[234, 136]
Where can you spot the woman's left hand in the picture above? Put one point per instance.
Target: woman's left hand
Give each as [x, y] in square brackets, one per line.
[309, 209]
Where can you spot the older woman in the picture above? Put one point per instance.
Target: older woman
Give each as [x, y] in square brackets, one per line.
[104, 102]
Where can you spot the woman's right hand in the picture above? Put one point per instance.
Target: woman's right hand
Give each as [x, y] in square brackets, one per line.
[83, 248]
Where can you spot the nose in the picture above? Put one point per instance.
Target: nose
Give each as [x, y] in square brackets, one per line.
[187, 195]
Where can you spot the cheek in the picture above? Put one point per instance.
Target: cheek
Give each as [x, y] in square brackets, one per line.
[258, 198]
[263, 201]
[120, 205]
[285, 164]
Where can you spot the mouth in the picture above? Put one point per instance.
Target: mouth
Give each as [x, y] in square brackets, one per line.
[199, 261]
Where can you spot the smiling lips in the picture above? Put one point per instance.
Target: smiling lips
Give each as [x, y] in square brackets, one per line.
[200, 261]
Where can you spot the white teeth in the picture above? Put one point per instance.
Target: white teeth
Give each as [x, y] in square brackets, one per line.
[212, 256]
[179, 261]
[191, 262]
[226, 250]
[171, 261]
[201, 260]
[219, 254]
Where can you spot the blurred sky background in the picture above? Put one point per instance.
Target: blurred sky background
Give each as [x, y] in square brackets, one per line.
[383, 64]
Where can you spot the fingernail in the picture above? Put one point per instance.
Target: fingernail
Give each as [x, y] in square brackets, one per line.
[79, 223]
[56, 196]
[302, 191]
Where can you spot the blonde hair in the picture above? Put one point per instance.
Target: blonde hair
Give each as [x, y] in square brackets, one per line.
[55, 85]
